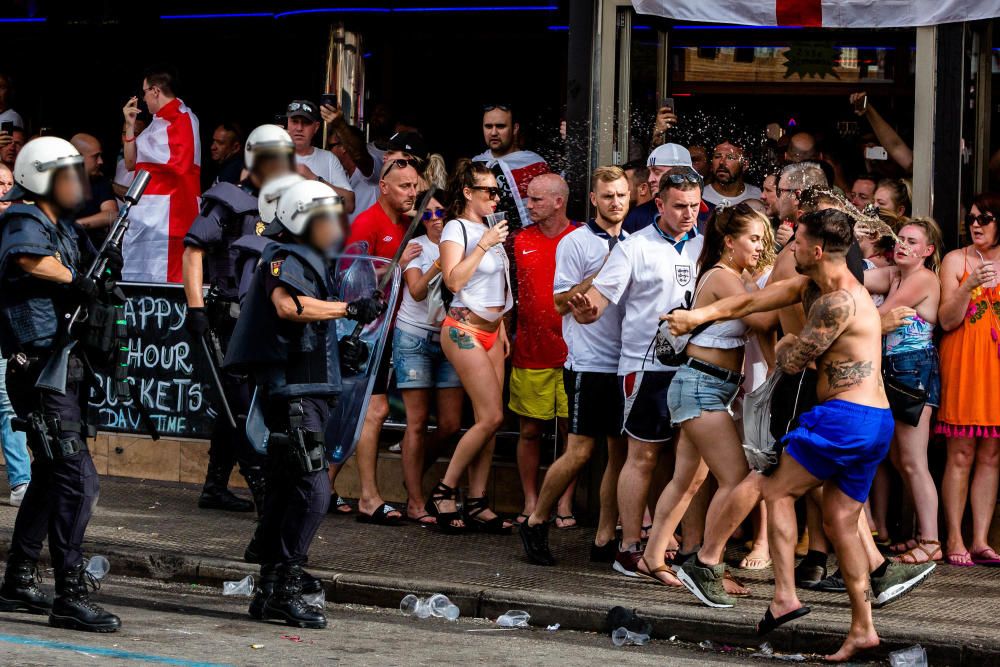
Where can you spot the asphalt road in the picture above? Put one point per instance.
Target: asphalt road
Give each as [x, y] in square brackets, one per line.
[195, 626]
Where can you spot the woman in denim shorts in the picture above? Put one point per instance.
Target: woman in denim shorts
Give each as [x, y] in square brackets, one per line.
[911, 358]
[420, 365]
[700, 397]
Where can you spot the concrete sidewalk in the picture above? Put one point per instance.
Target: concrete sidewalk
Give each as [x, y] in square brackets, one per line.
[155, 529]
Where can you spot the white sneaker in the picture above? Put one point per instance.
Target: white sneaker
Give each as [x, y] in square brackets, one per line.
[17, 495]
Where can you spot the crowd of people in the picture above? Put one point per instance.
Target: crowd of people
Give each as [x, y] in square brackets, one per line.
[879, 342]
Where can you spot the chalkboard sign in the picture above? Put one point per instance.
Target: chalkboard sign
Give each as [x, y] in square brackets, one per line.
[169, 369]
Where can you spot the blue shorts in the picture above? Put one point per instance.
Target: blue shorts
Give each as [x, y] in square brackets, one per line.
[917, 369]
[420, 363]
[842, 442]
[693, 392]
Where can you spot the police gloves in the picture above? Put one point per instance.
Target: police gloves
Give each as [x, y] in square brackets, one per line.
[353, 354]
[114, 260]
[196, 322]
[365, 310]
[83, 287]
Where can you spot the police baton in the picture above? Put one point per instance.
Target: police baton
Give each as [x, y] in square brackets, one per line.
[213, 352]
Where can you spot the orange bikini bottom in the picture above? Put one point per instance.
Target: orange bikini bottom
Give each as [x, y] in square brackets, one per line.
[487, 338]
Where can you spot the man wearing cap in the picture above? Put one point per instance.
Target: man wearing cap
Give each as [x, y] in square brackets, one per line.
[661, 160]
[316, 164]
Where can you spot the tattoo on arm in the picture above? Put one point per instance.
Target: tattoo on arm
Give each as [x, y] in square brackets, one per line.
[846, 373]
[827, 319]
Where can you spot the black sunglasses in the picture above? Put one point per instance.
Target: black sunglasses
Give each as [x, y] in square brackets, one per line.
[490, 107]
[436, 213]
[983, 219]
[493, 192]
[402, 163]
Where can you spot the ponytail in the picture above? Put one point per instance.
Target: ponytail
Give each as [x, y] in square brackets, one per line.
[466, 173]
[730, 221]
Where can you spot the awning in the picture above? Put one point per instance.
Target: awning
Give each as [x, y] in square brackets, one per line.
[822, 13]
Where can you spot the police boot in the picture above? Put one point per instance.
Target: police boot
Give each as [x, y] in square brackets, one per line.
[216, 496]
[252, 553]
[255, 482]
[286, 603]
[73, 608]
[20, 591]
[268, 579]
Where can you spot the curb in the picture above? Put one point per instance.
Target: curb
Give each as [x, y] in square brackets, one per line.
[583, 613]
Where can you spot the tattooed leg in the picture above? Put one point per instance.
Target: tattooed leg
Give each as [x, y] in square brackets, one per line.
[460, 338]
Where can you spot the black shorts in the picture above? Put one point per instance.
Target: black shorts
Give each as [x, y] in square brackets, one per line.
[646, 412]
[383, 375]
[595, 403]
[794, 395]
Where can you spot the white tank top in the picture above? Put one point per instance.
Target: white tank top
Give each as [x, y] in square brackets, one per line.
[721, 335]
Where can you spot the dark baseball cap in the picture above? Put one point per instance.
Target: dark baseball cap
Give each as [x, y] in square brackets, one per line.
[409, 142]
[303, 108]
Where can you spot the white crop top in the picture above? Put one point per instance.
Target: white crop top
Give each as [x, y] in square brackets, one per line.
[489, 286]
[721, 335]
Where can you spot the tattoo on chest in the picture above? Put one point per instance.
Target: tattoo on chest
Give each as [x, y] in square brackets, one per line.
[460, 338]
[846, 373]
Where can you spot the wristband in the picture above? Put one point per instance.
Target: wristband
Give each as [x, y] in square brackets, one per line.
[128, 140]
[480, 246]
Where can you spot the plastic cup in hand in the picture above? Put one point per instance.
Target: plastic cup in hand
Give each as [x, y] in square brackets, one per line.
[98, 567]
[492, 219]
[625, 637]
[515, 618]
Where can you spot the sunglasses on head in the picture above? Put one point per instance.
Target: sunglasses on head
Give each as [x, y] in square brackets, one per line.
[983, 219]
[401, 163]
[492, 192]
[678, 179]
[490, 107]
[433, 213]
[297, 106]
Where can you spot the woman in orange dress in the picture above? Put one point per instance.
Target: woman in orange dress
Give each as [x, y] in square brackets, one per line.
[970, 383]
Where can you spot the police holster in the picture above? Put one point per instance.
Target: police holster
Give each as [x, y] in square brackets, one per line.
[48, 443]
[301, 448]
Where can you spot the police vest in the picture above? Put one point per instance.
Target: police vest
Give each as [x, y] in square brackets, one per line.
[290, 359]
[228, 212]
[31, 309]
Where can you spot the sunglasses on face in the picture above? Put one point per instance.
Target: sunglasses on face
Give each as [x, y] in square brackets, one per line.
[983, 219]
[491, 191]
[401, 163]
[434, 213]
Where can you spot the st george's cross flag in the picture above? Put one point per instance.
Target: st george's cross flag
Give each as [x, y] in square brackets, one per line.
[823, 13]
[170, 150]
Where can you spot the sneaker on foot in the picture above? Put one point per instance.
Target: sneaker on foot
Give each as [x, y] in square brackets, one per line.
[899, 579]
[809, 574]
[832, 584]
[705, 581]
[535, 540]
[627, 562]
[17, 494]
[603, 554]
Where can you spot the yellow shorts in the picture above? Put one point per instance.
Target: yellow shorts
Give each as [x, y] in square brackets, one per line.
[538, 393]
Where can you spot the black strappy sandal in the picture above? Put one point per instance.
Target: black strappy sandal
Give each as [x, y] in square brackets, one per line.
[445, 520]
[473, 507]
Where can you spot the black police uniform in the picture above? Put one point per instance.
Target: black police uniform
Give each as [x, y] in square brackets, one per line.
[229, 212]
[64, 486]
[296, 369]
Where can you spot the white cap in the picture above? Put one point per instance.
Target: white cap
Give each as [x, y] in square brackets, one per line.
[670, 155]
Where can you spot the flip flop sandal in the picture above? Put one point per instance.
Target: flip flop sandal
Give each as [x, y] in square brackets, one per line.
[959, 559]
[987, 557]
[337, 505]
[909, 557]
[651, 574]
[381, 516]
[521, 518]
[564, 519]
[727, 575]
[769, 622]
[763, 563]
[422, 520]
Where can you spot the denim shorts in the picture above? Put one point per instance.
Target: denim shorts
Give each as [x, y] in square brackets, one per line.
[918, 370]
[420, 363]
[693, 392]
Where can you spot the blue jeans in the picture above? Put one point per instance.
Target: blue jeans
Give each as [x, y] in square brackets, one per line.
[15, 446]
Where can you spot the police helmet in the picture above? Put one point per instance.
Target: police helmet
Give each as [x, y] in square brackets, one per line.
[37, 162]
[304, 201]
[267, 139]
[270, 193]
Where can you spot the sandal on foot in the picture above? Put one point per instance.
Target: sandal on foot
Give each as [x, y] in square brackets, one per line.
[339, 505]
[913, 557]
[565, 518]
[473, 507]
[445, 520]
[728, 576]
[769, 622]
[651, 573]
[903, 547]
[521, 518]
[987, 557]
[755, 562]
[382, 516]
[959, 559]
[644, 532]
[424, 519]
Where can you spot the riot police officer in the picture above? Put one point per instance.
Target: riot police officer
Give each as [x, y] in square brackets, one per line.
[43, 252]
[228, 213]
[286, 340]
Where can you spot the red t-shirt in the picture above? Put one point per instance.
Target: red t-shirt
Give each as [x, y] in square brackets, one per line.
[374, 227]
[539, 342]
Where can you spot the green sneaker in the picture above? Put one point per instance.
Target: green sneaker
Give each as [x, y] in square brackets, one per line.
[706, 582]
[899, 579]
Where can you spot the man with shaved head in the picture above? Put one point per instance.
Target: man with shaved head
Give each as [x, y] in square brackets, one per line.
[99, 209]
[801, 148]
[536, 384]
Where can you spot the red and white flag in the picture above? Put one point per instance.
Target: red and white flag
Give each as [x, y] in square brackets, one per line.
[170, 150]
[823, 13]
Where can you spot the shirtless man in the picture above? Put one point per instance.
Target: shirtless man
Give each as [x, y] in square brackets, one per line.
[838, 443]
